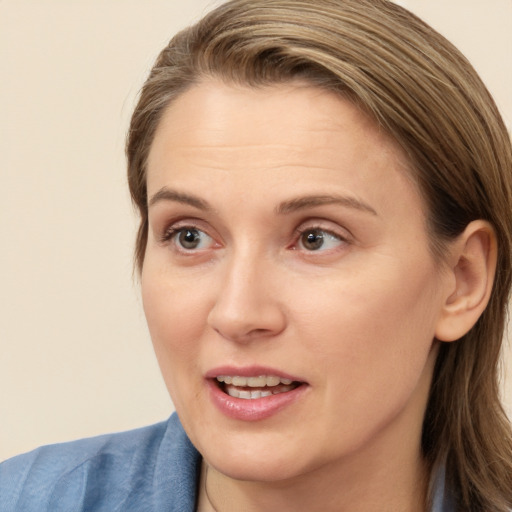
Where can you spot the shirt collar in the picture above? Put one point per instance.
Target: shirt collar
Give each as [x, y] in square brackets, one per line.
[442, 498]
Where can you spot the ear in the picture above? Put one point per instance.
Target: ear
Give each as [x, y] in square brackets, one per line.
[472, 266]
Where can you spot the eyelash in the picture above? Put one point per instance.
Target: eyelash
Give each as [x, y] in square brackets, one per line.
[171, 234]
[318, 229]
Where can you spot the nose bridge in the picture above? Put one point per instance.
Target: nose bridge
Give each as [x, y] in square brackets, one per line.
[246, 305]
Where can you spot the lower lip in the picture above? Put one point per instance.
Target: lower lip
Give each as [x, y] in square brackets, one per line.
[253, 409]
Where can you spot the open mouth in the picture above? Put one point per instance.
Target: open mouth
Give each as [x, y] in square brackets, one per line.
[252, 388]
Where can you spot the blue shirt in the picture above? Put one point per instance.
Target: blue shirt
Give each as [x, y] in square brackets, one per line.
[152, 469]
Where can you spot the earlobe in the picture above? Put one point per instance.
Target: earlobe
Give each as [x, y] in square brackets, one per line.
[474, 256]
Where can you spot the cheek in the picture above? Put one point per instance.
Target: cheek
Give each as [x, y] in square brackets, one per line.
[373, 335]
[175, 314]
[175, 320]
[373, 350]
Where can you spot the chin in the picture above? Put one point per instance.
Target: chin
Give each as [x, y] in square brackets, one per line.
[254, 469]
[262, 456]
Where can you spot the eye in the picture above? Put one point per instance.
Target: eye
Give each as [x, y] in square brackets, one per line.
[317, 239]
[189, 238]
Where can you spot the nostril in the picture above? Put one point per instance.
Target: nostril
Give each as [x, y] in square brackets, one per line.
[244, 310]
[243, 333]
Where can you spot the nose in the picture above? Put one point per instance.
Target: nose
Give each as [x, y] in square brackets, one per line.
[247, 305]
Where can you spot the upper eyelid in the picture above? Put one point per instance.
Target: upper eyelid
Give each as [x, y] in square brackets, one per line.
[174, 228]
[324, 225]
[335, 232]
[185, 222]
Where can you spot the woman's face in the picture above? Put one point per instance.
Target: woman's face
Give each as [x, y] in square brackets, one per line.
[286, 241]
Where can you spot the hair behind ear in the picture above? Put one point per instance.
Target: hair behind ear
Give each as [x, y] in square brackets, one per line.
[465, 426]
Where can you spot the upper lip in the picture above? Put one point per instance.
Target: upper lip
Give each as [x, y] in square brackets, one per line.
[251, 371]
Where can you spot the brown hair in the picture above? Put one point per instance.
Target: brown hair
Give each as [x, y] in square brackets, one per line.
[426, 95]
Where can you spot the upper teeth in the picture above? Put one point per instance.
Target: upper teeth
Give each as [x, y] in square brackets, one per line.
[254, 382]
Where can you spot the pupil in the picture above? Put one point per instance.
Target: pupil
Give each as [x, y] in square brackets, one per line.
[189, 238]
[313, 240]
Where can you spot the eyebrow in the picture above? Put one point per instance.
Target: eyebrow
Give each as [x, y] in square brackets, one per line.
[166, 194]
[292, 205]
[301, 203]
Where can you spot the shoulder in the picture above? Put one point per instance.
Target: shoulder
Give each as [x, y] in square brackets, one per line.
[134, 470]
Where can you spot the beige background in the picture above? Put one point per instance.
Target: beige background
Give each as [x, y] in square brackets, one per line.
[75, 355]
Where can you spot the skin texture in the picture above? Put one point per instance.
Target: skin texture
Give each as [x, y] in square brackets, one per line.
[355, 319]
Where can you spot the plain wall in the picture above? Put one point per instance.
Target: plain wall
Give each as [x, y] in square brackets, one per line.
[75, 355]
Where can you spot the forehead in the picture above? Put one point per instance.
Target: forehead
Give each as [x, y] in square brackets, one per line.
[277, 133]
[294, 117]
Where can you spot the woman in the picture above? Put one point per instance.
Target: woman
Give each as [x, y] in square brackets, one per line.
[325, 198]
